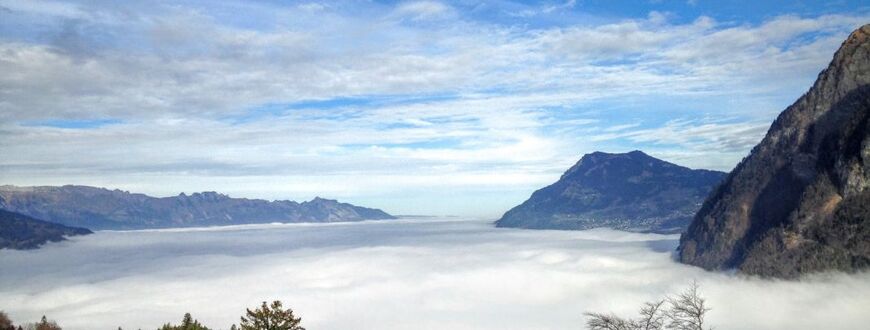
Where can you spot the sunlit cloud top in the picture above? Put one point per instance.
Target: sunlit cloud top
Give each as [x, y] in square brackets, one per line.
[416, 107]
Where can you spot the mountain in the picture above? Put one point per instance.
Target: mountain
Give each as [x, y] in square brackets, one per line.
[99, 208]
[18, 231]
[800, 202]
[631, 191]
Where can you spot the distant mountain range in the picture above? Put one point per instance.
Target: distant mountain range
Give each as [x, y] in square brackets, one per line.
[629, 191]
[800, 202]
[99, 208]
[18, 231]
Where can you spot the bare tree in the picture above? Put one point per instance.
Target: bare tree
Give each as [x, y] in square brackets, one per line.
[686, 311]
[651, 316]
[600, 321]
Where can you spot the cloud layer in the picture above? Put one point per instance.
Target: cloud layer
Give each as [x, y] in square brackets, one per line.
[405, 274]
[372, 102]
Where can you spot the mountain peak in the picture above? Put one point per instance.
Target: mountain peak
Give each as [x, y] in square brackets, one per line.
[598, 160]
[209, 196]
[318, 199]
[632, 191]
[858, 36]
[635, 154]
[847, 71]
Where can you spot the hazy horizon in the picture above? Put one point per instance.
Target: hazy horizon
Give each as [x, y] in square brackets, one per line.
[414, 107]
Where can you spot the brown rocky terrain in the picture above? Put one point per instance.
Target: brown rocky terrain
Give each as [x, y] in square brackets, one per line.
[800, 202]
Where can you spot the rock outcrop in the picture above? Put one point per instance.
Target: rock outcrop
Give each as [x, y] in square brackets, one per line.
[800, 202]
[631, 191]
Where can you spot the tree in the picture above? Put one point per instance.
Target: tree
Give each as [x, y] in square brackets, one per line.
[43, 324]
[5, 322]
[600, 321]
[652, 318]
[686, 311]
[272, 317]
[187, 323]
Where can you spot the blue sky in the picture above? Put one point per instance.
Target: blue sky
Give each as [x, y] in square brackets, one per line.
[416, 107]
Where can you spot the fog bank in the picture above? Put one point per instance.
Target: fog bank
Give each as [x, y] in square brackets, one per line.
[406, 274]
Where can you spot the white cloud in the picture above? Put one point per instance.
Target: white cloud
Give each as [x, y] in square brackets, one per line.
[52, 8]
[505, 99]
[435, 274]
[422, 10]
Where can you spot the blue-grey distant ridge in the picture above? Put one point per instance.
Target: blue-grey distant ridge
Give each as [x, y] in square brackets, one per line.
[628, 191]
[100, 208]
[20, 232]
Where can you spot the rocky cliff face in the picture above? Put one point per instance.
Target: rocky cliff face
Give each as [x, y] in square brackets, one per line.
[99, 208]
[631, 191]
[18, 231]
[800, 202]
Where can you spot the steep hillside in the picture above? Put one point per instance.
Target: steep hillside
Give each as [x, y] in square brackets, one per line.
[800, 202]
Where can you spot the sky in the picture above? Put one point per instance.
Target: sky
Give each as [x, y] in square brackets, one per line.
[401, 274]
[415, 107]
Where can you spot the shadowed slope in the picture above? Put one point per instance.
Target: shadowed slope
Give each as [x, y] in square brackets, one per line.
[800, 201]
[18, 231]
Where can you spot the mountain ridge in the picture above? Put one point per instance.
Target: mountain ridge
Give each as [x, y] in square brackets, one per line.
[101, 208]
[630, 191]
[18, 231]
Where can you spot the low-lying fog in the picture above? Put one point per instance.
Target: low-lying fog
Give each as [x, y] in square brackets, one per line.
[405, 274]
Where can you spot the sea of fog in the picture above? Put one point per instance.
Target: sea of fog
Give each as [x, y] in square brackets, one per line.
[405, 274]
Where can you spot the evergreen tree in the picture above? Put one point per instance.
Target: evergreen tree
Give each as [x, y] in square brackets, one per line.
[187, 323]
[44, 324]
[272, 317]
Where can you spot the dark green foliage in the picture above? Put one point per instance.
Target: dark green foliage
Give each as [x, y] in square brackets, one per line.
[267, 317]
[18, 231]
[271, 317]
[187, 323]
